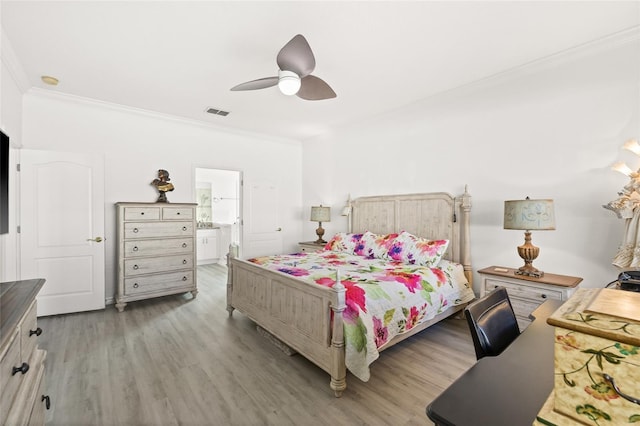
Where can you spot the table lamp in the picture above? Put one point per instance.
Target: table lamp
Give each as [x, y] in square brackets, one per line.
[320, 214]
[529, 215]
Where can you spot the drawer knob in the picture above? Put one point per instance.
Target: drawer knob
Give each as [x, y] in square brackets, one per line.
[609, 380]
[178, 213]
[37, 332]
[184, 278]
[22, 369]
[135, 230]
[47, 401]
[135, 248]
[184, 228]
[136, 267]
[184, 261]
[184, 245]
[544, 296]
[142, 213]
[135, 285]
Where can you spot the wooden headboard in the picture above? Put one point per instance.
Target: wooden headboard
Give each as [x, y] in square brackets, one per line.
[434, 215]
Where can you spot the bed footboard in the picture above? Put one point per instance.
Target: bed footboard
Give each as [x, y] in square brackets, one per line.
[305, 316]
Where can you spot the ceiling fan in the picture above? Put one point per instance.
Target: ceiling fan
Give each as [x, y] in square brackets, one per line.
[296, 63]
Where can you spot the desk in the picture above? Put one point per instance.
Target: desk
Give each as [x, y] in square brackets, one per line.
[508, 389]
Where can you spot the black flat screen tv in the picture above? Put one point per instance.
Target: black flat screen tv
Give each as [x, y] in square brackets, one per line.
[4, 183]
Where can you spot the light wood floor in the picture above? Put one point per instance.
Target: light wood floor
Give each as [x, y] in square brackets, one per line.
[178, 361]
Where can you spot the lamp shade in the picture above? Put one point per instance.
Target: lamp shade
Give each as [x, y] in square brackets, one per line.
[320, 214]
[633, 146]
[529, 215]
[622, 168]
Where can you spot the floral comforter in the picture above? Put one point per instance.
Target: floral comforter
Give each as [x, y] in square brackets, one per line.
[384, 298]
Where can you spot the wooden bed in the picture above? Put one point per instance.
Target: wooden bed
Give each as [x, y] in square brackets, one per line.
[307, 317]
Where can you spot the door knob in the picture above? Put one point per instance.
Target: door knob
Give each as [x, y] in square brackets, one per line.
[279, 229]
[96, 239]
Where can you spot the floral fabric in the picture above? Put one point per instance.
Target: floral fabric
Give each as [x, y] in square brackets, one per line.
[384, 298]
[403, 247]
[375, 245]
[420, 251]
[344, 242]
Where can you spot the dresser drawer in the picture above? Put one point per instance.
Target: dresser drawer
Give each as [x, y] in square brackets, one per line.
[141, 213]
[523, 307]
[28, 333]
[27, 408]
[170, 213]
[37, 416]
[159, 282]
[157, 229]
[133, 267]
[157, 247]
[523, 291]
[9, 383]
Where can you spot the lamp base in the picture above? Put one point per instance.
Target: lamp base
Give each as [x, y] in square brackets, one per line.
[528, 252]
[529, 272]
[320, 233]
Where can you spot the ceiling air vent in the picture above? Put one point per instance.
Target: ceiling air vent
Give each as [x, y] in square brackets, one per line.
[217, 112]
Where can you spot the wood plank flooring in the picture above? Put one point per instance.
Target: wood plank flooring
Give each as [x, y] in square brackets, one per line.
[181, 361]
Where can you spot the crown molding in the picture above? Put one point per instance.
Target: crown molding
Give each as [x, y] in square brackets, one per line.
[11, 62]
[592, 48]
[603, 44]
[75, 99]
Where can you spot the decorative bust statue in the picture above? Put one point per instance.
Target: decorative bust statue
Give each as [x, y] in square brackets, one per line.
[163, 185]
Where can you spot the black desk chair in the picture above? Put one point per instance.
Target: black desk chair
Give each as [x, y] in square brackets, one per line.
[492, 323]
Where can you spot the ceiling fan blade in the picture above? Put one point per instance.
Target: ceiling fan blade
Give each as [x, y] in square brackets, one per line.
[261, 83]
[315, 89]
[297, 56]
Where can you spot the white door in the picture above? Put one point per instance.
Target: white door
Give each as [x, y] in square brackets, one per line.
[262, 229]
[62, 228]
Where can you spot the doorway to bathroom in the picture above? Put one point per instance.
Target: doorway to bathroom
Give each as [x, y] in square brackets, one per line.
[218, 194]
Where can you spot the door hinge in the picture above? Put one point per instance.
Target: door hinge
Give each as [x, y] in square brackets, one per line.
[18, 229]
[18, 167]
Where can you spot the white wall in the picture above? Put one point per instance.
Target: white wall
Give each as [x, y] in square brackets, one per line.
[136, 144]
[547, 130]
[12, 84]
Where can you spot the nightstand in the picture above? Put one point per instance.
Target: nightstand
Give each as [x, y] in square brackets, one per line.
[307, 246]
[527, 293]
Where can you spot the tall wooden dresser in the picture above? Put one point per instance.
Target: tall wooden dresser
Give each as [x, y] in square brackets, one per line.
[22, 399]
[156, 250]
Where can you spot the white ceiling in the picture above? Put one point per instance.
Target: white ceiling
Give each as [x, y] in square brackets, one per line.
[181, 57]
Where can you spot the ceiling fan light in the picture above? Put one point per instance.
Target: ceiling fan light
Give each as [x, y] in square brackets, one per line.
[288, 82]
